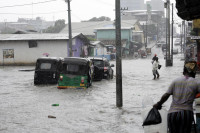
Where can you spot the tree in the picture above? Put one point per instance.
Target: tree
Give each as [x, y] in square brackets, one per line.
[102, 18]
[59, 25]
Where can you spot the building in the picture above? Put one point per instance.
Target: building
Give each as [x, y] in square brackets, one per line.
[99, 49]
[153, 27]
[142, 15]
[157, 5]
[24, 49]
[87, 28]
[132, 4]
[24, 24]
[130, 31]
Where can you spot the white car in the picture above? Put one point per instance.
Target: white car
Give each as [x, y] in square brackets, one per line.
[160, 43]
[175, 50]
[177, 42]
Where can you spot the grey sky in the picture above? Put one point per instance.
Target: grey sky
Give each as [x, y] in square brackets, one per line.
[55, 9]
[11, 10]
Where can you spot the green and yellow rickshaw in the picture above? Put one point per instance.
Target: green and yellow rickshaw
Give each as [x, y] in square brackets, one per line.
[76, 73]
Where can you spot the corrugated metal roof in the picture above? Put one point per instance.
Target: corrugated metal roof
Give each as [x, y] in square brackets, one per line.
[95, 42]
[111, 28]
[15, 37]
[87, 28]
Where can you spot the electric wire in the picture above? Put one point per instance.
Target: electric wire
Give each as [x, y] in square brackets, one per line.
[35, 13]
[28, 4]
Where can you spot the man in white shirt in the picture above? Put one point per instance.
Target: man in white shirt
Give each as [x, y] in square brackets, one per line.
[155, 69]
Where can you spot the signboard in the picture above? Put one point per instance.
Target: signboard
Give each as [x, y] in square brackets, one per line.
[195, 37]
[8, 53]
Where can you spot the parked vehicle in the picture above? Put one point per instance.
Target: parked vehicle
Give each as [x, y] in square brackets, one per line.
[160, 43]
[47, 70]
[76, 73]
[177, 42]
[164, 47]
[175, 50]
[148, 50]
[143, 53]
[102, 68]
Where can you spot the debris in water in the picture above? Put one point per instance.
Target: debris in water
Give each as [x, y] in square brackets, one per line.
[55, 104]
[50, 116]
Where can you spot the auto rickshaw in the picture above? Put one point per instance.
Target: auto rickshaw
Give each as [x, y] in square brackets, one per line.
[47, 70]
[76, 73]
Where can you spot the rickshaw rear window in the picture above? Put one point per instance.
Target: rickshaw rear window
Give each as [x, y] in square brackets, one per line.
[75, 69]
[45, 66]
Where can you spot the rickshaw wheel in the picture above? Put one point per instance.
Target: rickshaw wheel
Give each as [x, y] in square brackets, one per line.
[90, 83]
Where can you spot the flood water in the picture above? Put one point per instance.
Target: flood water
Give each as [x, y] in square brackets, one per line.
[25, 107]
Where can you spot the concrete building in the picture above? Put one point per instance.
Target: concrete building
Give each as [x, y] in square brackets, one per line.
[24, 49]
[87, 28]
[130, 31]
[99, 49]
[24, 24]
[132, 4]
[157, 5]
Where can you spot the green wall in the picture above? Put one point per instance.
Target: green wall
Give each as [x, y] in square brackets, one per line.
[110, 34]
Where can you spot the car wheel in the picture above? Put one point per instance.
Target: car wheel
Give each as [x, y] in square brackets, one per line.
[36, 83]
[108, 77]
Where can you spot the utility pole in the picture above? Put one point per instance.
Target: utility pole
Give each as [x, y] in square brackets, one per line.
[168, 52]
[148, 19]
[196, 25]
[181, 33]
[184, 38]
[172, 32]
[69, 28]
[144, 34]
[119, 97]
[146, 31]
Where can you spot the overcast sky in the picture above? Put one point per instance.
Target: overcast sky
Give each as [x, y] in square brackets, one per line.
[11, 10]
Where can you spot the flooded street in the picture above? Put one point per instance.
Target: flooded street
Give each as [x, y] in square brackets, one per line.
[25, 107]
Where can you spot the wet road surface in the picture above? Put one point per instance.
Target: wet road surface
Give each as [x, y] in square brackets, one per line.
[25, 107]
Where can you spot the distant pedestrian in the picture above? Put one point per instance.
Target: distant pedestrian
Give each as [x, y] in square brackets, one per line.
[154, 58]
[183, 91]
[155, 69]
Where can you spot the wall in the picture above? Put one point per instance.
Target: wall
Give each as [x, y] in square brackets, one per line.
[79, 49]
[25, 55]
[110, 34]
[101, 51]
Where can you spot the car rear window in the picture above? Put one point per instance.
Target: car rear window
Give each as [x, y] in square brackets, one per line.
[45, 66]
[98, 63]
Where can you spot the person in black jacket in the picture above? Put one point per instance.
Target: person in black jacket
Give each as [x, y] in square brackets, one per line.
[154, 58]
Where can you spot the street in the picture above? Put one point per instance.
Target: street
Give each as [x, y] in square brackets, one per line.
[25, 107]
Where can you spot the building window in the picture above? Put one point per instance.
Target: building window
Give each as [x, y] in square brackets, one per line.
[32, 44]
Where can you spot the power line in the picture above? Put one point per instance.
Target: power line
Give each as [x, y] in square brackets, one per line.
[35, 13]
[28, 4]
